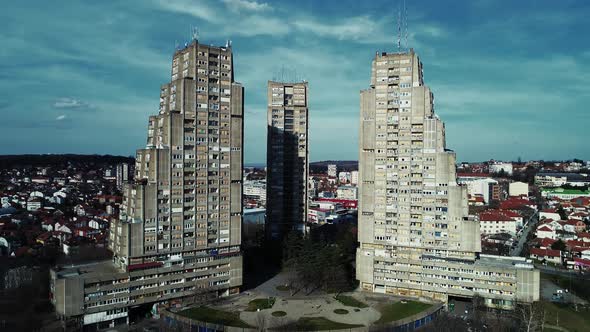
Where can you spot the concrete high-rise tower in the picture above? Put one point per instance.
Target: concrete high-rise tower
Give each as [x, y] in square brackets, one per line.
[416, 237]
[287, 158]
[179, 231]
[186, 199]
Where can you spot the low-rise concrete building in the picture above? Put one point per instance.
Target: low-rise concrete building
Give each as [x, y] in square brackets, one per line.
[549, 214]
[494, 222]
[34, 204]
[547, 179]
[565, 194]
[518, 189]
[548, 255]
[347, 192]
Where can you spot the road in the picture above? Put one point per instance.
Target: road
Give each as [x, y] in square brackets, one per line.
[522, 235]
[562, 272]
[548, 288]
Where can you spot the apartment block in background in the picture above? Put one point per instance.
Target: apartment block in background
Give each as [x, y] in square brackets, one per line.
[179, 231]
[332, 170]
[416, 237]
[122, 174]
[287, 158]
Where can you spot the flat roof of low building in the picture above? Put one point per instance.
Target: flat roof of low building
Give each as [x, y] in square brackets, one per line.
[565, 191]
[504, 261]
[89, 269]
[255, 210]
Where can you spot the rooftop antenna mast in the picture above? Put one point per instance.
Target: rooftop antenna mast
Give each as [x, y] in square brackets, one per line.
[406, 19]
[399, 27]
[194, 33]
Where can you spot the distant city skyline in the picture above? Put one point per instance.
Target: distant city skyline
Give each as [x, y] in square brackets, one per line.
[509, 78]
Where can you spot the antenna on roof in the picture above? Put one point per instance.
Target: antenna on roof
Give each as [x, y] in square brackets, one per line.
[399, 26]
[406, 19]
[195, 33]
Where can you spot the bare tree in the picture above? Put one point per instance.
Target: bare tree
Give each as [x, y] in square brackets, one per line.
[201, 295]
[444, 322]
[531, 316]
[281, 324]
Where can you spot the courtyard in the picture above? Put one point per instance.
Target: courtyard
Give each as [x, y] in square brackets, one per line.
[277, 304]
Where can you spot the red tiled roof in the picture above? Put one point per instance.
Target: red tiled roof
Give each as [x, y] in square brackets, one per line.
[581, 261]
[545, 229]
[511, 213]
[546, 242]
[514, 204]
[493, 215]
[579, 249]
[472, 174]
[320, 209]
[545, 252]
[549, 210]
[575, 243]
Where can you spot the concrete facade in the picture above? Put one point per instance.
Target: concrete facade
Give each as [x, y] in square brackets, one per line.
[287, 158]
[122, 174]
[518, 189]
[347, 192]
[416, 237]
[179, 230]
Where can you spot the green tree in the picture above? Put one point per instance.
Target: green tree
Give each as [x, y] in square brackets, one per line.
[558, 245]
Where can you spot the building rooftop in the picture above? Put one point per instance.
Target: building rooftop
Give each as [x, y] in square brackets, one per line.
[504, 261]
[255, 210]
[566, 191]
[90, 270]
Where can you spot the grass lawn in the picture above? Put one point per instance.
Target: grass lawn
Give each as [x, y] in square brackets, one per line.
[398, 310]
[261, 304]
[279, 313]
[350, 301]
[210, 315]
[317, 324]
[568, 317]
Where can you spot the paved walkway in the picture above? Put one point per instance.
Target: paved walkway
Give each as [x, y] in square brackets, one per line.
[299, 303]
[555, 327]
[312, 307]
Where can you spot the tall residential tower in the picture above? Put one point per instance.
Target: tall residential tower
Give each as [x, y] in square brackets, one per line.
[416, 237]
[179, 231]
[287, 154]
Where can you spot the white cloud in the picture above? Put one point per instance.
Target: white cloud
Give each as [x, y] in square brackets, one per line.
[257, 25]
[60, 117]
[70, 103]
[237, 5]
[199, 9]
[358, 28]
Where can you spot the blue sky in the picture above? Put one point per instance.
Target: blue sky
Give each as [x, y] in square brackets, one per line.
[511, 78]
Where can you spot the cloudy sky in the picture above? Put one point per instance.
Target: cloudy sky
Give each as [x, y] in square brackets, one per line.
[511, 78]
